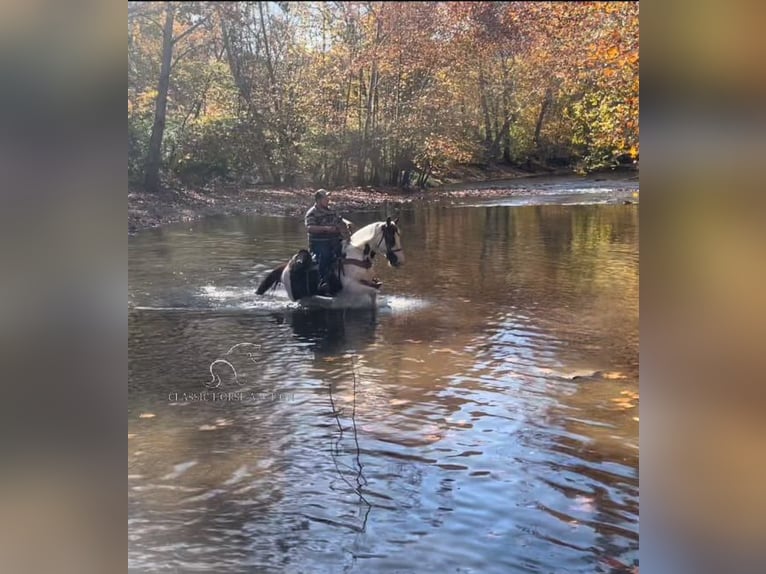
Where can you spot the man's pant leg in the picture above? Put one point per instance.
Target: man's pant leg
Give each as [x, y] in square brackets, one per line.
[322, 252]
[333, 276]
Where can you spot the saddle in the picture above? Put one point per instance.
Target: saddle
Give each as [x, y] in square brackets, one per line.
[303, 274]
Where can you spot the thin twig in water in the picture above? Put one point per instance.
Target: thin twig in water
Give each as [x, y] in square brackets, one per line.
[335, 451]
[356, 437]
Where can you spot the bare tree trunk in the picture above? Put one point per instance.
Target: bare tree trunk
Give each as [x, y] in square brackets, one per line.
[343, 171]
[541, 117]
[269, 65]
[263, 156]
[502, 132]
[396, 150]
[375, 146]
[506, 132]
[485, 106]
[154, 157]
[369, 123]
[360, 127]
[280, 165]
[424, 174]
[195, 110]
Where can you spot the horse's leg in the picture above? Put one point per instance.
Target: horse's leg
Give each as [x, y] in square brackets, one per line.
[353, 286]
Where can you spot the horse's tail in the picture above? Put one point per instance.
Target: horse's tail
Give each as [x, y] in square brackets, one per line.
[271, 281]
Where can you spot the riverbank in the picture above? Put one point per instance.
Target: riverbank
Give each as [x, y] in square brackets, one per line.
[147, 210]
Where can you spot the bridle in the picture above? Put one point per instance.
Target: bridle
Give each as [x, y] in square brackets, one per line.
[390, 231]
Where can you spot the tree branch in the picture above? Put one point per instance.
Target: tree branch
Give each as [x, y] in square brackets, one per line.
[145, 17]
[190, 30]
[181, 55]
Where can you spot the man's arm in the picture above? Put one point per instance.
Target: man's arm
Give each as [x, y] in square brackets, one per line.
[312, 226]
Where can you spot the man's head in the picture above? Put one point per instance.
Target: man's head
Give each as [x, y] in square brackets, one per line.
[322, 197]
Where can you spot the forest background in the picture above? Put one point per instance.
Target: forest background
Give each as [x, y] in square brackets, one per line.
[399, 94]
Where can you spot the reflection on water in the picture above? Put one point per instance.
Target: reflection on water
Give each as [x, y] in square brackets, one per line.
[486, 419]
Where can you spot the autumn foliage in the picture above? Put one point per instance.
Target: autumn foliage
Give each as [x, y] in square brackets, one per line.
[382, 93]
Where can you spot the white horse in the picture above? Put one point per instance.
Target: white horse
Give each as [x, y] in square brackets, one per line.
[301, 277]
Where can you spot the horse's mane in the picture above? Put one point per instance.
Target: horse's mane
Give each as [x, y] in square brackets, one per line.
[365, 234]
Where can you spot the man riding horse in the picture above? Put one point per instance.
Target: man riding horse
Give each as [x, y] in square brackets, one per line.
[346, 264]
[326, 229]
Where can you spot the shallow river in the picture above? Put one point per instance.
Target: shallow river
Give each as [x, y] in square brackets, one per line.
[484, 419]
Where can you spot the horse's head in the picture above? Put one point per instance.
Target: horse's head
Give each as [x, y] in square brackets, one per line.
[392, 239]
[381, 236]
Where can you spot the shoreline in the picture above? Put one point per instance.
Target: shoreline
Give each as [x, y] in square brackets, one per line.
[146, 211]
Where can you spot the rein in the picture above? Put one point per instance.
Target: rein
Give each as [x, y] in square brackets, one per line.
[365, 263]
[387, 249]
[390, 251]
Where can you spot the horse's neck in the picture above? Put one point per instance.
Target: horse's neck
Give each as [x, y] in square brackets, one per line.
[369, 234]
[352, 252]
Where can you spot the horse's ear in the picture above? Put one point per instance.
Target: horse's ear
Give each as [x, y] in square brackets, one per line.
[396, 221]
[388, 221]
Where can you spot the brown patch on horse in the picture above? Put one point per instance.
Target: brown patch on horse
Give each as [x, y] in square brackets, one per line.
[364, 263]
